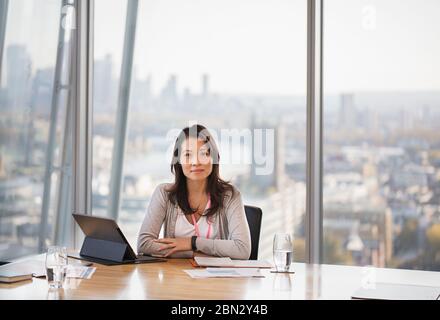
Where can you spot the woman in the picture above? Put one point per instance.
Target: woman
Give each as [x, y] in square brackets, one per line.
[201, 213]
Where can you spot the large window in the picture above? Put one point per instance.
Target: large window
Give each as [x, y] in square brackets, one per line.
[238, 68]
[34, 161]
[381, 133]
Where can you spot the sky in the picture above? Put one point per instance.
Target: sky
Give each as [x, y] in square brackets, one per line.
[255, 46]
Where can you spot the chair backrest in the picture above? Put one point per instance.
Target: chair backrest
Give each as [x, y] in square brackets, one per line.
[254, 217]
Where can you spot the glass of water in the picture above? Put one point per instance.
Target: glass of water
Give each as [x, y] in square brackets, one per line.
[56, 266]
[282, 251]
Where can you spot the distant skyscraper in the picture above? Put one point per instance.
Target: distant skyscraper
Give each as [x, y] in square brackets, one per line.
[347, 112]
[187, 98]
[205, 85]
[149, 86]
[140, 93]
[18, 74]
[406, 119]
[42, 89]
[103, 79]
[426, 119]
[169, 92]
[39, 103]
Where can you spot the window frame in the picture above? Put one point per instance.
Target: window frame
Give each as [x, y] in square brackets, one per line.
[82, 139]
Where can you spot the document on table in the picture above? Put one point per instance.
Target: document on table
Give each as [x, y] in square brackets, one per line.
[251, 264]
[213, 262]
[228, 262]
[80, 272]
[224, 273]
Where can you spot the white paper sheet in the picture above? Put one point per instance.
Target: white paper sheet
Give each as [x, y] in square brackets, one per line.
[213, 262]
[224, 273]
[227, 262]
[251, 264]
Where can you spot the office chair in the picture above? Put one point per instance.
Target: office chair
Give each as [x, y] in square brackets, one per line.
[254, 216]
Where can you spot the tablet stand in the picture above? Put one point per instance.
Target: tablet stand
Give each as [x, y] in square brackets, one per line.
[104, 249]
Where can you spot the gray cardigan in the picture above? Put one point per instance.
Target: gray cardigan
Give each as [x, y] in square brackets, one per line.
[230, 221]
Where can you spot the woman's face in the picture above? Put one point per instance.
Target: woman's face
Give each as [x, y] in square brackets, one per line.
[195, 159]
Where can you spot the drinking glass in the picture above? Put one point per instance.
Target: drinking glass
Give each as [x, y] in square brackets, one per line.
[56, 266]
[282, 252]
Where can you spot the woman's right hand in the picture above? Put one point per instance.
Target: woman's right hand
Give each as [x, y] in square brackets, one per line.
[173, 245]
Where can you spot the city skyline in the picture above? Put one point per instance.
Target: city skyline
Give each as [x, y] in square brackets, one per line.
[18, 58]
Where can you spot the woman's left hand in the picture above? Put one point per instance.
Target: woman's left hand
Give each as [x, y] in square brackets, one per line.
[174, 245]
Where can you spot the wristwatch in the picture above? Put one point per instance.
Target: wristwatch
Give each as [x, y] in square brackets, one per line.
[193, 243]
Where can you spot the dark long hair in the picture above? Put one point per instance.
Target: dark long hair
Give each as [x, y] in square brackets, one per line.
[216, 187]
